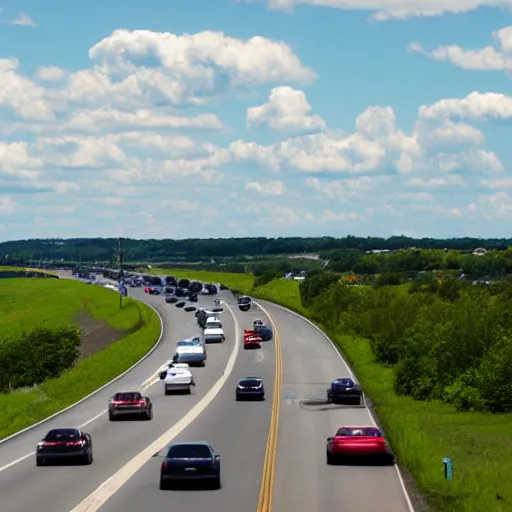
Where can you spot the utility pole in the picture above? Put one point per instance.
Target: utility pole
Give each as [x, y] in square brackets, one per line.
[121, 274]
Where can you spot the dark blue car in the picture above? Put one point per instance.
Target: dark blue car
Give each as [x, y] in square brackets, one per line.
[190, 462]
[344, 391]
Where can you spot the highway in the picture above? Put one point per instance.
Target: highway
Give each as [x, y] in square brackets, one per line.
[273, 452]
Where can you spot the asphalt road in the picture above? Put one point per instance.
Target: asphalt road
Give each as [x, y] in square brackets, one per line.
[27, 488]
[296, 472]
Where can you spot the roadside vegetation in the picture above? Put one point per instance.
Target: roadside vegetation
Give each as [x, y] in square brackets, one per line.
[61, 340]
[434, 356]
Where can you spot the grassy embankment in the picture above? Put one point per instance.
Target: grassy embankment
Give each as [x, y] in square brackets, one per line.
[28, 303]
[422, 433]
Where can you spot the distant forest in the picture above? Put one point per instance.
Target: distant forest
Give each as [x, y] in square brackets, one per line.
[105, 250]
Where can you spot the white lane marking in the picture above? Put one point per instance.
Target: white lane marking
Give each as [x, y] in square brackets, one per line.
[372, 419]
[107, 489]
[16, 434]
[21, 459]
[160, 370]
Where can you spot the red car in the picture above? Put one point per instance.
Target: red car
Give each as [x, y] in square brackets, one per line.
[251, 340]
[365, 442]
[146, 289]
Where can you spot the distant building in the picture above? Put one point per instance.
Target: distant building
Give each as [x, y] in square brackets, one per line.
[480, 251]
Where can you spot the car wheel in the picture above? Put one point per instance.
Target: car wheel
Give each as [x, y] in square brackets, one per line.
[111, 416]
[217, 483]
[149, 415]
[40, 461]
[262, 397]
[330, 458]
[167, 392]
[163, 484]
[189, 391]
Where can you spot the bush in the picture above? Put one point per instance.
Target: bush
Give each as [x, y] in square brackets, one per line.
[446, 339]
[37, 355]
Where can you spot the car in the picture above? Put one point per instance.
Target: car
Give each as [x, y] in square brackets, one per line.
[171, 299]
[264, 332]
[244, 303]
[250, 387]
[130, 403]
[193, 297]
[64, 443]
[344, 391]
[213, 331]
[258, 322]
[190, 351]
[251, 340]
[146, 289]
[356, 441]
[177, 377]
[180, 292]
[190, 461]
[180, 304]
[195, 287]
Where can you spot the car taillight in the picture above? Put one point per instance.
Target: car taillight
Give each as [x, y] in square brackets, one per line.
[76, 443]
[164, 465]
[142, 402]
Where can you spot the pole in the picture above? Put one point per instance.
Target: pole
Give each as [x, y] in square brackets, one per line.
[120, 273]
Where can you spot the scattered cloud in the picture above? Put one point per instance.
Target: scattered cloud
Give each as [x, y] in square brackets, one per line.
[383, 10]
[23, 20]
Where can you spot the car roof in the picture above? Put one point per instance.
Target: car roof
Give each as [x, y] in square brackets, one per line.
[250, 378]
[192, 443]
[344, 379]
[63, 430]
[127, 392]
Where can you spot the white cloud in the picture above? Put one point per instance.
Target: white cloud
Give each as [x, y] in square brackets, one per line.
[376, 145]
[287, 110]
[139, 67]
[475, 105]
[497, 58]
[383, 10]
[450, 180]
[7, 205]
[502, 183]
[23, 20]
[271, 188]
[49, 73]
[497, 206]
[23, 96]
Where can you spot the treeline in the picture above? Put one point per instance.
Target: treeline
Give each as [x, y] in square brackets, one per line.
[494, 262]
[37, 355]
[445, 337]
[106, 249]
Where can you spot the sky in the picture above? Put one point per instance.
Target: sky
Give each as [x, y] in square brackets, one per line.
[230, 118]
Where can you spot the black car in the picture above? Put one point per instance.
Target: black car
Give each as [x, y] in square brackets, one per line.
[190, 461]
[244, 303]
[250, 387]
[195, 286]
[201, 317]
[180, 292]
[171, 299]
[210, 289]
[130, 403]
[180, 304]
[344, 390]
[64, 443]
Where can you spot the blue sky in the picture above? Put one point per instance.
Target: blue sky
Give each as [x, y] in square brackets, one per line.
[255, 118]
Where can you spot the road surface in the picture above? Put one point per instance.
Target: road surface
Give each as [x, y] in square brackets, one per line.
[290, 466]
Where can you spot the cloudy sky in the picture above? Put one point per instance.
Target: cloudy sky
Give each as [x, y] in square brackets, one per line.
[255, 118]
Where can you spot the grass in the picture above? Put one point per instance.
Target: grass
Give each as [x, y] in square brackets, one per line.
[25, 303]
[422, 433]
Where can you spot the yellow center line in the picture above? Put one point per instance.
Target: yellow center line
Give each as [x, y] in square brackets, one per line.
[267, 483]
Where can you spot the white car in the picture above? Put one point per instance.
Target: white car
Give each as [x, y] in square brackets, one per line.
[213, 332]
[190, 351]
[177, 377]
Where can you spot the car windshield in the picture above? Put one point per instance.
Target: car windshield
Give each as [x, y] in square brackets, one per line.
[250, 382]
[244, 300]
[359, 431]
[62, 435]
[189, 451]
[127, 396]
[185, 343]
[344, 383]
